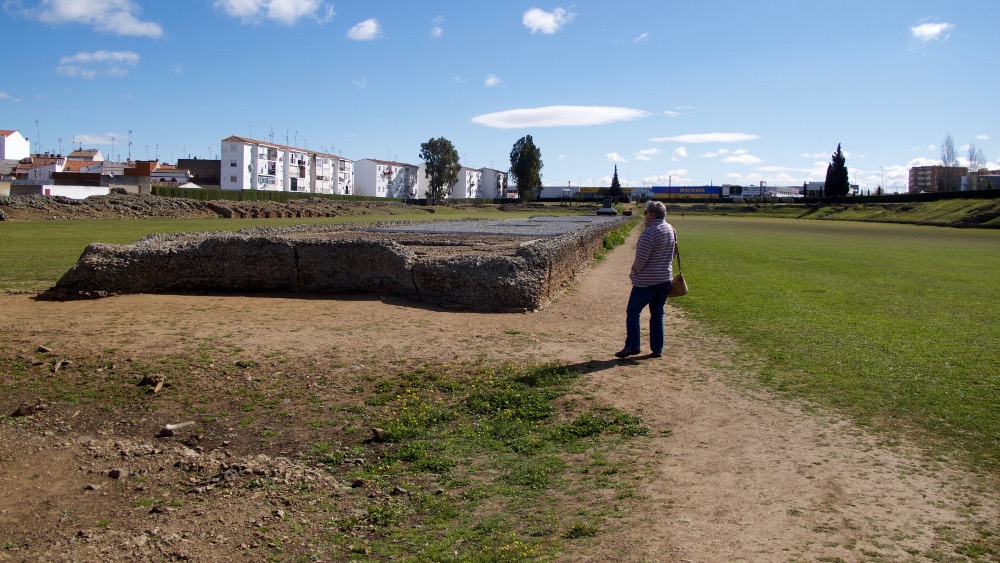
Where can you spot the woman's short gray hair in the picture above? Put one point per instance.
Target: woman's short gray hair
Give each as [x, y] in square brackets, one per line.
[657, 209]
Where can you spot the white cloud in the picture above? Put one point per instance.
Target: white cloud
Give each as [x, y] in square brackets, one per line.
[120, 17]
[923, 162]
[4, 95]
[540, 21]
[646, 154]
[707, 138]
[365, 31]
[679, 153]
[615, 157]
[642, 38]
[492, 80]
[741, 157]
[932, 147]
[286, 12]
[361, 83]
[98, 63]
[814, 155]
[679, 176]
[982, 137]
[102, 139]
[558, 116]
[672, 114]
[931, 31]
[720, 152]
[437, 30]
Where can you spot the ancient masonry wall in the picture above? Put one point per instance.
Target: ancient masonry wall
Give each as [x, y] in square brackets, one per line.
[305, 260]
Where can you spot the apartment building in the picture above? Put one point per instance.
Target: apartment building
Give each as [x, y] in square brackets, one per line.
[251, 164]
[383, 178]
[493, 183]
[934, 178]
[469, 184]
[13, 146]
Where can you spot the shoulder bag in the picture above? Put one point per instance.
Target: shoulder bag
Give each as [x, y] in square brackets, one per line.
[678, 286]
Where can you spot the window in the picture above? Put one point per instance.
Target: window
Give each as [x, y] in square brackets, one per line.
[232, 164]
[232, 179]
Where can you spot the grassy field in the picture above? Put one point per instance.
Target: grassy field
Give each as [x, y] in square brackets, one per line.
[893, 324]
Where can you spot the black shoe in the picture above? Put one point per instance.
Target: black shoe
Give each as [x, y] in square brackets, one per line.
[655, 354]
[626, 352]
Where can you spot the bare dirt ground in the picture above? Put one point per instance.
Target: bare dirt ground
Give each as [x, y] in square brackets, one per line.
[731, 474]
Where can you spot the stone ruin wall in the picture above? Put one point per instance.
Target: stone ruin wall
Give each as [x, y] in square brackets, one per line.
[307, 260]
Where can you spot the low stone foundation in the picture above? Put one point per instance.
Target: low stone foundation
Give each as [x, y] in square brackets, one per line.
[489, 272]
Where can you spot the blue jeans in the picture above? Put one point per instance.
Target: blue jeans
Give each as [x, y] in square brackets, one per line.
[654, 296]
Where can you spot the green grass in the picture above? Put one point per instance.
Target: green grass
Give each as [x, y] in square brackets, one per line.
[488, 459]
[35, 254]
[894, 324]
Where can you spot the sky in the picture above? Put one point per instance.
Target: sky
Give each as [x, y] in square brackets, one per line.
[671, 92]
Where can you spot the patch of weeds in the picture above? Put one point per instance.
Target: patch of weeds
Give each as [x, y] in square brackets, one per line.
[534, 472]
[581, 530]
[7, 546]
[103, 523]
[481, 439]
[266, 483]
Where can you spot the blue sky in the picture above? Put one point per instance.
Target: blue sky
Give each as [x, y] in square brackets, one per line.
[690, 93]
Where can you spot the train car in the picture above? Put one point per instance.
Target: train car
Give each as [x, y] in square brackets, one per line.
[695, 192]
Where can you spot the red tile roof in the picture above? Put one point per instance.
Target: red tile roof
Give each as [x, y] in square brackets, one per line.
[76, 165]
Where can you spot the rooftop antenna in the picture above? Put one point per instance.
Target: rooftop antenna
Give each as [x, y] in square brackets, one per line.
[112, 155]
[38, 137]
[270, 136]
[130, 145]
[60, 145]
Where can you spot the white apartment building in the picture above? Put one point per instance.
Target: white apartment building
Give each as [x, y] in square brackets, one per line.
[13, 146]
[493, 182]
[383, 178]
[469, 184]
[249, 164]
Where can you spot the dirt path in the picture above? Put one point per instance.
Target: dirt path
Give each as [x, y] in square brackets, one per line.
[731, 475]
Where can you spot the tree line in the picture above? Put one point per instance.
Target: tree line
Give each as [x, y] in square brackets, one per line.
[442, 165]
[949, 180]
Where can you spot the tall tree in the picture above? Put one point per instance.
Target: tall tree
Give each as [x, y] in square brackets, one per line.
[977, 160]
[837, 183]
[946, 180]
[615, 191]
[441, 167]
[526, 168]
